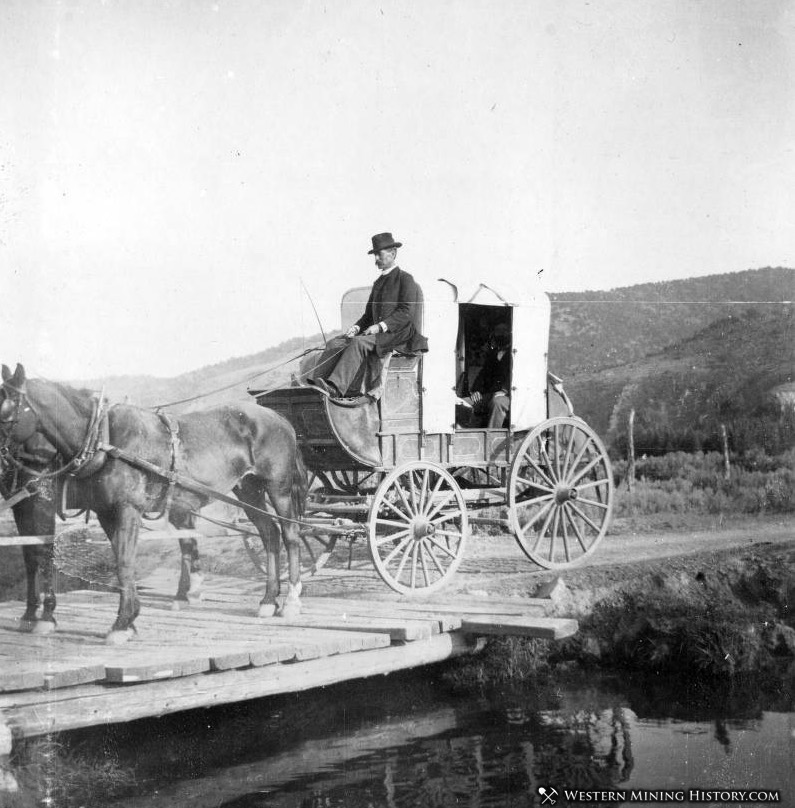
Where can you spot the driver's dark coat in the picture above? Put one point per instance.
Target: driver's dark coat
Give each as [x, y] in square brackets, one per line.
[395, 299]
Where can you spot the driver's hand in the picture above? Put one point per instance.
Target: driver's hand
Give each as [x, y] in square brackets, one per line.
[352, 331]
[476, 398]
[373, 329]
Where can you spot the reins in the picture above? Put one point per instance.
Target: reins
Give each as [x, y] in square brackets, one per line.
[248, 380]
[96, 447]
[189, 484]
[30, 489]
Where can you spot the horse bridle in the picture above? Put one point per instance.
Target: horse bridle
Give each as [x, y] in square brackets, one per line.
[10, 416]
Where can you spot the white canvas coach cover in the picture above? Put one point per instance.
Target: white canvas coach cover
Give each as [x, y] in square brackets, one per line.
[530, 318]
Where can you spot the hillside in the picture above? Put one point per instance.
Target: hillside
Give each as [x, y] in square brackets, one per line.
[222, 382]
[735, 371]
[601, 329]
[678, 351]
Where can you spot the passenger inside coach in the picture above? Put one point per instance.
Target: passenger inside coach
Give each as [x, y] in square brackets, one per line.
[485, 352]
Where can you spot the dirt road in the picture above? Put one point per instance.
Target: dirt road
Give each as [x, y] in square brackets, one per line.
[495, 566]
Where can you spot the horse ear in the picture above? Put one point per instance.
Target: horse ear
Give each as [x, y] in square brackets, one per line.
[19, 375]
[6, 373]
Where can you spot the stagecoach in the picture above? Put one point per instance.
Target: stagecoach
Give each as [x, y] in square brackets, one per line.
[409, 472]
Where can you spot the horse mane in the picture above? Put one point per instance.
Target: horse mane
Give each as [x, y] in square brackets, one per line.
[79, 398]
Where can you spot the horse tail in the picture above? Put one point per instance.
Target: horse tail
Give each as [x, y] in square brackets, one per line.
[300, 486]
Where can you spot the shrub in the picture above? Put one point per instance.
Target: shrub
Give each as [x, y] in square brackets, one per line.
[690, 483]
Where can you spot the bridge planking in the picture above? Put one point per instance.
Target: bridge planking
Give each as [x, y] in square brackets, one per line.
[219, 651]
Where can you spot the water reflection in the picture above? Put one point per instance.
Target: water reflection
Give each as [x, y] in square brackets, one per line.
[407, 741]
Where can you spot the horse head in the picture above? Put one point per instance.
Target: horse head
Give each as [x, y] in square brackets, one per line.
[18, 421]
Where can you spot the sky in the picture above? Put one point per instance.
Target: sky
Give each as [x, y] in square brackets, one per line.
[181, 180]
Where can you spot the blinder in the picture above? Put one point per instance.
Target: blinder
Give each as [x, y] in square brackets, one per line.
[17, 418]
[7, 411]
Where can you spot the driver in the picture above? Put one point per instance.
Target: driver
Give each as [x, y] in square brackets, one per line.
[386, 325]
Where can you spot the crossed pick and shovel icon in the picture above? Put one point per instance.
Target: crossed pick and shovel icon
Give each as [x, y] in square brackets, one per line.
[548, 795]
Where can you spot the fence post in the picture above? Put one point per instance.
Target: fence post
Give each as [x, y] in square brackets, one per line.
[727, 471]
[631, 450]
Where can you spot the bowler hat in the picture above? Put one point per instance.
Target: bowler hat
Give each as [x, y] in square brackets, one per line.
[383, 241]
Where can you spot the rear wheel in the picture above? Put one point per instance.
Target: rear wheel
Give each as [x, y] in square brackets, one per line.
[351, 482]
[560, 492]
[418, 527]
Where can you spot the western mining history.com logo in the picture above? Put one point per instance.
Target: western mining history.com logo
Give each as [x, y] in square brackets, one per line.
[547, 795]
[550, 796]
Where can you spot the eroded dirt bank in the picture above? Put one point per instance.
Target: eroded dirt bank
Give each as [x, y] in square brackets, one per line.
[717, 603]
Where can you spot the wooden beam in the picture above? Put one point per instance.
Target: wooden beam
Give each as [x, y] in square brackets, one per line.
[89, 705]
[21, 541]
[543, 628]
[144, 535]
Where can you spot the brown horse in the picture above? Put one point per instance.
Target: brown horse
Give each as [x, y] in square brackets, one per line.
[243, 448]
[34, 516]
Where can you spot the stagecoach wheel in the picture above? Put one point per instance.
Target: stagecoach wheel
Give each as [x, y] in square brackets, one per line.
[316, 548]
[479, 477]
[560, 492]
[418, 526]
[352, 482]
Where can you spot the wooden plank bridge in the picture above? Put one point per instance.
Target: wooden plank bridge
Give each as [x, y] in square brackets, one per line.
[220, 652]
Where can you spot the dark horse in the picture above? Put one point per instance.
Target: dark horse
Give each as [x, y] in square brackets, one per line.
[34, 516]
[242, 448]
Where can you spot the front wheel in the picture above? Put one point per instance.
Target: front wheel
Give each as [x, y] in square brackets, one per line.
[560, 492]
[418, 526]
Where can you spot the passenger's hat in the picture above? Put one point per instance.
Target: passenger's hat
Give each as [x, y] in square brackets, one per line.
[383, 241]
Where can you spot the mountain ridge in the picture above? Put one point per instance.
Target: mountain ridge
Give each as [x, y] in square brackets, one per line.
[728, 324]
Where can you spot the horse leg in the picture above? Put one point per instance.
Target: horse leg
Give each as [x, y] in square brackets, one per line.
[189, 590]
[30, 555]
[190, 578]
[292, 541]
[33, 517]
[46, 624]
[122, 529]
[250, 492]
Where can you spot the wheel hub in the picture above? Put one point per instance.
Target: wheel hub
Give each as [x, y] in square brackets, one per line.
[565, 493]
[422, 529]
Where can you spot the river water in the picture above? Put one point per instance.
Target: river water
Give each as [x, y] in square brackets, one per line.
[410, 740]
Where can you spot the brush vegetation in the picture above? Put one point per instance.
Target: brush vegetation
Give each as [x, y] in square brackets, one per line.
[696, 483]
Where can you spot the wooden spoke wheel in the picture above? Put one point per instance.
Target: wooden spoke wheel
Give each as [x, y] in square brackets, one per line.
[316, 548]
[418, 527]
[560, 492]
[479, 476]
[351, 482]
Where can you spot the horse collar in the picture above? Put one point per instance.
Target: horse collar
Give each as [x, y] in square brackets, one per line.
[172, 425]
[91, 457]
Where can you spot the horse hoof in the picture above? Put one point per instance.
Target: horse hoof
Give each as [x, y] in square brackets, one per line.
[27, 625]
[120, 637]
[43, 627]
[266, 610]
[290, 609]
[178, 604]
